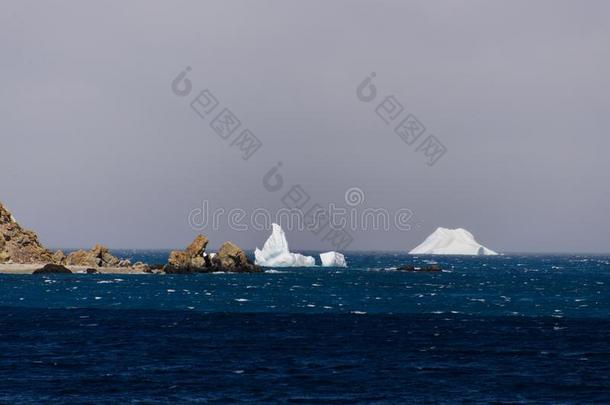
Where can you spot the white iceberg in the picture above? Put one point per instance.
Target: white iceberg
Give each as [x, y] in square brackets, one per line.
[275, 252]
[333, 259]
[445, 241]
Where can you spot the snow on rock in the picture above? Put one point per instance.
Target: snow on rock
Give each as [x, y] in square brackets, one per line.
[275, 252]
[445, 241]
[333, 259]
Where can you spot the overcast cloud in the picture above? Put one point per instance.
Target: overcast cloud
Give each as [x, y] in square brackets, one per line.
[95, 147]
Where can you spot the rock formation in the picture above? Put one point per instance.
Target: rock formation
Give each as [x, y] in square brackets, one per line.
[98, 256]
[143, 267]
[52, 269]
[191, 259]
[194, 259]
[18, 245]
[231, 258]
[429, 268]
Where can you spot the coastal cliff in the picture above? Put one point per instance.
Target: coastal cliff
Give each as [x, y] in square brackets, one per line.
[22, 253]
[18, 245]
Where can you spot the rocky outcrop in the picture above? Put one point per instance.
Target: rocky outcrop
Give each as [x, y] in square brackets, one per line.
[197, 246]
[429, 268]
[18, 245]
[52, 269]
[142, 267]
[98, 256]
[231, 258]
[194, 259]
[59, 257]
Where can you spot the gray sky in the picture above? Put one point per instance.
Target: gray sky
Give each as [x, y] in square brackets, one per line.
[95, 147]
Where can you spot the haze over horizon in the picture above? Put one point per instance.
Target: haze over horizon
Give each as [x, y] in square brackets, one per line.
[97, 148]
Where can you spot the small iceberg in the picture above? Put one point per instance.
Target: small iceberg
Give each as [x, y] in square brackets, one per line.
[275, 252]
[333, 259]
[445, 241]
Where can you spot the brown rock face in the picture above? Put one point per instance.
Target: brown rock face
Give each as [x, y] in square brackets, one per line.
[194, 259]
[98, 256]
[59, 257]
[230, 256]
[103, 254]
[197, 246]
[139, 266]
[19, 245]
[81, 258]
[179, 259]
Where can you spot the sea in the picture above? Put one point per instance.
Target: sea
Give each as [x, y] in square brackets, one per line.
[497, 329]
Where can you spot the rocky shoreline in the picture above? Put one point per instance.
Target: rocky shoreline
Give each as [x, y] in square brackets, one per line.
[22, 253]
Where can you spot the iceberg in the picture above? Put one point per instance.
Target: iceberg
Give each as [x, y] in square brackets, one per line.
[445, 241]
[275, 252]
[333, 259]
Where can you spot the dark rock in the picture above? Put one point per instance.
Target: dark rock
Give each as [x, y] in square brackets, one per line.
[171, 269]
[91, 271]
[429, 268]
[432, 267]
[52, 269]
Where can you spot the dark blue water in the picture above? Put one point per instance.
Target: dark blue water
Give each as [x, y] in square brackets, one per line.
[492, 329]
